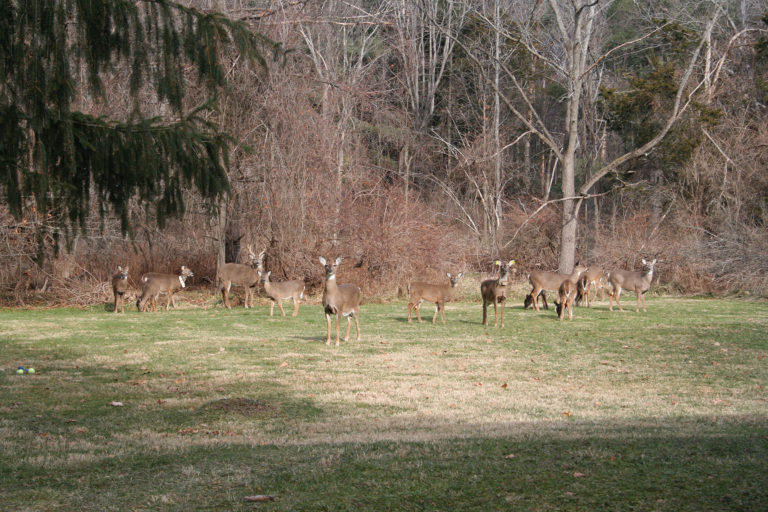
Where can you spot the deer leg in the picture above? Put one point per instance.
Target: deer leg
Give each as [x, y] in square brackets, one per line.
[616, 297]
[503, 302]
[357, 325]
[280, 305]
[437, 310]
[328, 324]
[535, 297]
[349, 327]
[495, 314]
[418, 311]
[410, 309]
[544, 298]
[485, 312]
[225, 294]
[442, 312]
[295, 306]
[338, 322]
[271, 308]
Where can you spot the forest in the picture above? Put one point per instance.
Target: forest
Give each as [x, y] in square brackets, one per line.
[413, 138]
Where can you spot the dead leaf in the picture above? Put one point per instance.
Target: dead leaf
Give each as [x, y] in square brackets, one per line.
[510, 456]
[259, 497]
[578, 475]
[504, 386]
[116, 404]
[567, 413]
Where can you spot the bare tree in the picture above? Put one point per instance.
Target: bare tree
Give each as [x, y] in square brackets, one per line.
[571, 54]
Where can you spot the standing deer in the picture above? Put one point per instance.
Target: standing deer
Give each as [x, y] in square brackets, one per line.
[239, 274]
[120, 287]
[281, 291]
[155, 283]
[542, 281]
[339, 299]
[494, 291]
[566, 292]
[439, 294]
[638, 282]
[589, 280]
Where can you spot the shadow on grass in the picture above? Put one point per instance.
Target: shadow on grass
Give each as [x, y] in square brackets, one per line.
[690, 464]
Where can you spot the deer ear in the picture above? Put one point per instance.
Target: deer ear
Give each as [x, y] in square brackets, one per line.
[459, 275]
[338, 260]
[322, 260]
[644, 262]
[269, 273]
[511, 262]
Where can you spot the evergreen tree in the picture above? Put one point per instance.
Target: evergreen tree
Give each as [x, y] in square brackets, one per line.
[65, 160]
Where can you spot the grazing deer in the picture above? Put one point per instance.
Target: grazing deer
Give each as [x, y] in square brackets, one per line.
[281, 291]
[120, 287]
[339, 299]
[589, 280]
[439, 294]
[542, 281]
[566, 292]
[528, 302]
[239, 274]
[638, 282]
[155, 283]
[494, 291]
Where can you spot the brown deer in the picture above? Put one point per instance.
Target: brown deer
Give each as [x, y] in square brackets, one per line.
[494, 291]
[542, 281]
[638, 282]
[120, 287]
[566, 292]
[239, 274]
[592, 279]
[278, 292]
[339, 299]
[439, 294]
[155, 283]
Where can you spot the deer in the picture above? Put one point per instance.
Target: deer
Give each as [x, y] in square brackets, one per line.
[567, 291]
[633, 281]
[542, 281]
[339, 299]
[239, 274]
[120, 287]
[494, 291]
[278, 292]
[437, 293]
[155, 283]
[591, 279]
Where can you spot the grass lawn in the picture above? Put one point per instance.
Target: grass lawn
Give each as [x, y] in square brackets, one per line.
[196, 409]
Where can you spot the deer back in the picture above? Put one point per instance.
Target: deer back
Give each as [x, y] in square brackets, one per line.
[239, 274]
[631, 280]
[282, 289]
[435, 292]
[158, 282]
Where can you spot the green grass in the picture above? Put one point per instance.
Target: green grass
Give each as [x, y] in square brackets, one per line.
[612, 411]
